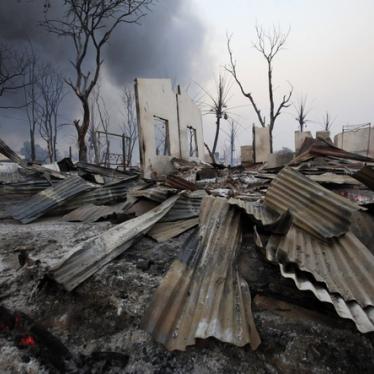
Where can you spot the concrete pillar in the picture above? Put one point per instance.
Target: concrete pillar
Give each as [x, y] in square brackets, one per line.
[300, 137]
[261, 144]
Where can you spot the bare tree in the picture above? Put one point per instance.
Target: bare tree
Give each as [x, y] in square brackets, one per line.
[327, 122]
[130, 126]
[51, 87]
[269, 44]
[302, 113]
[13, 67]
[90, 24]
[31, 78]
[218, 106]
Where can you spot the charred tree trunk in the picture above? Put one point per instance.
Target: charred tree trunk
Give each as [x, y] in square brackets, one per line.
[32, 145]
[218, 125]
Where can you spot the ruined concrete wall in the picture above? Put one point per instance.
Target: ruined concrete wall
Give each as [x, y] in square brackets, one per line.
[190, 116]
[261, 144]
[158, 106]
[360, 141]
[300, 137]
[246, 154]
[155, 98]
[323, 134]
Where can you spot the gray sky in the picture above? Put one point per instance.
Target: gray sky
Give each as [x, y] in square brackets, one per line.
[329, 57]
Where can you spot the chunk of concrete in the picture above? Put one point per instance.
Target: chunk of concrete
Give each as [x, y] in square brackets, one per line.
[300, 136]
[246, 155]
[261, 144]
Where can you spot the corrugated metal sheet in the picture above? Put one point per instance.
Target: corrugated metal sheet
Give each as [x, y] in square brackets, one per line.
[89, 256]
[313, 207]
[203, 295]
[258, 211]
[158, 194]
[167, 230]
[30, 187]
[321, 147]
[100, 170]
[92, 213]
[107, 194]
[363, 228]
[365, 176]
[48, 199]
[187, 206]
[180, 183]
[362, 317]
[344, 264]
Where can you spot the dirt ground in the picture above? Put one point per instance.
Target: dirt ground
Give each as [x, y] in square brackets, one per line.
[299, 334]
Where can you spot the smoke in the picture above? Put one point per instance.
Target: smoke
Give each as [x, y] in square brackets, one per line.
[170, 42]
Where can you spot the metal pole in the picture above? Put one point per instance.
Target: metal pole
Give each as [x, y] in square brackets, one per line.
[123, 151]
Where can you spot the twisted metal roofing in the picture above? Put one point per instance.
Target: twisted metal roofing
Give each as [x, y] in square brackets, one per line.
[314, 208]
[345, 265]
[48, 199]
[89, 256]
[203, 295]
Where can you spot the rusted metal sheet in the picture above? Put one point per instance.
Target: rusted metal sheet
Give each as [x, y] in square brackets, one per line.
[92, 213]
[107, 194]
[157, 194]
[203, 295]
[100, 170]
[344, 264]
[258, 211]
[314, 208]
[365, 176]
[180, 183]
[187, 206]
[29, 187]
[323, 148]
[49, 198]
[89, 256]
[362, 317]
[167, 230]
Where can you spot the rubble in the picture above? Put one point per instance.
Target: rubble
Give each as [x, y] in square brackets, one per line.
[209, 261]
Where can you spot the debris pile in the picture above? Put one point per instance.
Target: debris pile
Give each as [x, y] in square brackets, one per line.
[308, 224]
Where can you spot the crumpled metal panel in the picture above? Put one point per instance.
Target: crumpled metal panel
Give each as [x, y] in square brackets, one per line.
[30, 187]
[344, 264]
[92, 213]
[100, 170]
[260, 212]
[187, 206]
[365, 176]
[362, 317]
[86, 258]
[313, 207]
[163, 231]
[49, 198]
[203, 295]
[107, 194]
[321, 147]
[177, 182]
[157, 194]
